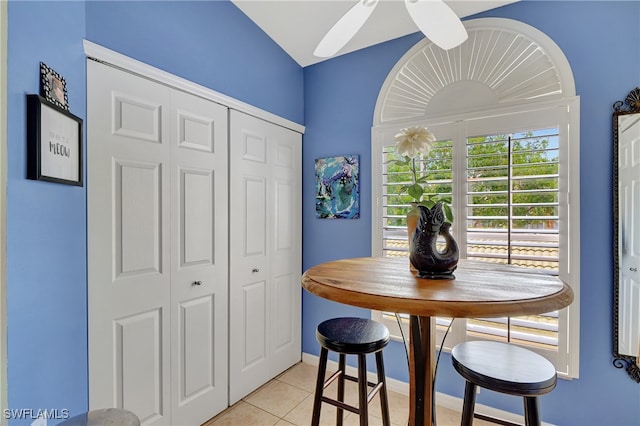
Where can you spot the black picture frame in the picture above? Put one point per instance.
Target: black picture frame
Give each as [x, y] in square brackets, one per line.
[53, 87]
[54, 143]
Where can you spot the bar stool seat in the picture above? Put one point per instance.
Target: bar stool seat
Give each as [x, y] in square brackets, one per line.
[103, 417]
[351, 336]
[505, 368]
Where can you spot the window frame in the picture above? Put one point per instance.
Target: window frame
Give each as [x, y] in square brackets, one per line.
[563, 114]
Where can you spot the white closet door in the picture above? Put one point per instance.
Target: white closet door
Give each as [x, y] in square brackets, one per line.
[128, 244]
[285, 252]
[158, 249]
[265, 250]
[199, 259]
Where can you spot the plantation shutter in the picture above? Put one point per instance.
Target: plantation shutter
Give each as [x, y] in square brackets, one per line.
[512, 218]
[509, 215]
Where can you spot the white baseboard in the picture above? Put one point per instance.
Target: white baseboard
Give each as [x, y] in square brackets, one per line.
[444, 400]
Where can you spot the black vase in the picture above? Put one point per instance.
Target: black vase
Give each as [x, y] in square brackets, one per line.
[423, 251]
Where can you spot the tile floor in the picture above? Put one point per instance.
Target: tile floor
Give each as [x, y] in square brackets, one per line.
[288, 400]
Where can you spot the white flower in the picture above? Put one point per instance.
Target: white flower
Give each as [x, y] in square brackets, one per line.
[413, 140]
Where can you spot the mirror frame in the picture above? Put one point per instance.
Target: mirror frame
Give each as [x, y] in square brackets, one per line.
[631, 105]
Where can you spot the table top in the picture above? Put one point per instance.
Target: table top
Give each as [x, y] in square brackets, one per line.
[479, 290]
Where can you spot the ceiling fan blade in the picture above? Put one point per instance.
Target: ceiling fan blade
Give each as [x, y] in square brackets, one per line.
[345, 28]
[438, 22]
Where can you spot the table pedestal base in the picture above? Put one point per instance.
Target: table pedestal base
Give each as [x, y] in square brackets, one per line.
[421, 371]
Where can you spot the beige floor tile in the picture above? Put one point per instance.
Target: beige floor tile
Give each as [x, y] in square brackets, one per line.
[447, 417]
[350, 391]
[398, 403]
[288, 401]
[354, 420]
[277, 398]
[243, 413]
[301, 375]
[301, 414]
[398, 407]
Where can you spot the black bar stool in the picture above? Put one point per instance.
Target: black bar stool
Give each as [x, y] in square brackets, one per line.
[505, 368]
[353, 336]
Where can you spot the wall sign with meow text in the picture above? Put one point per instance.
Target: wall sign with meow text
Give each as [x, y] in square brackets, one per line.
[54, 143]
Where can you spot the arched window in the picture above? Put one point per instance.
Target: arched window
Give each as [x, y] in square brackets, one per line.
[506, 117]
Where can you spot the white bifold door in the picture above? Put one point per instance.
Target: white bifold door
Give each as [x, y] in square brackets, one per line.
[157, 249]
[265, 249]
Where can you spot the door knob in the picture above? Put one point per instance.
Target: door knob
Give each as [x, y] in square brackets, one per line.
[197, 283]
[633, 269]
[254, 270]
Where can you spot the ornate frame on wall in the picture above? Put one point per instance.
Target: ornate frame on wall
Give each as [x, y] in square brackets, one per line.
[628, 362]
[53, 87]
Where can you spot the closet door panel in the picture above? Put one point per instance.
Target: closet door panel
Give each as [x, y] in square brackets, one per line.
[249, 288]
[197, 219]
[139, 364]
[253, 325]
[284, 312]
[128, 254]
[197, 348]
[197, 131]
[136, 117]
[285, 249]
[137, 196]
[199, 258]
[254, 214]
[265, 291]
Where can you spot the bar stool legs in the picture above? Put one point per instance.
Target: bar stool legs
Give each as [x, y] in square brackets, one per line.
[351, 336]
[469, 403]
[322, 368]
[531, 413]
[341, 366]
[513, 370]
[362, 390]
[384, 400]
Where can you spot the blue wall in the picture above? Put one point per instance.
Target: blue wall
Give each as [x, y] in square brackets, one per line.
[210, 43]
[46, 222]
[340, 96]
[221, 49]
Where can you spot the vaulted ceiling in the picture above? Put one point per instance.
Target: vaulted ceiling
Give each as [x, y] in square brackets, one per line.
[299, 25]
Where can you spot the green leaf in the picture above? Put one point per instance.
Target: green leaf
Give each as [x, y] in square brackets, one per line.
[415, 191]
[428, 203]
[448, 212]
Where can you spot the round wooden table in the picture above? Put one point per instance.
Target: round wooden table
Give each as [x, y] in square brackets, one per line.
[479, 290]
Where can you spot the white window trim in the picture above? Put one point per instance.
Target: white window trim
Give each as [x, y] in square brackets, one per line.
[567, 363]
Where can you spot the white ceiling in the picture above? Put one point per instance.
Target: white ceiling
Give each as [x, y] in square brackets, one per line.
[299, 25]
